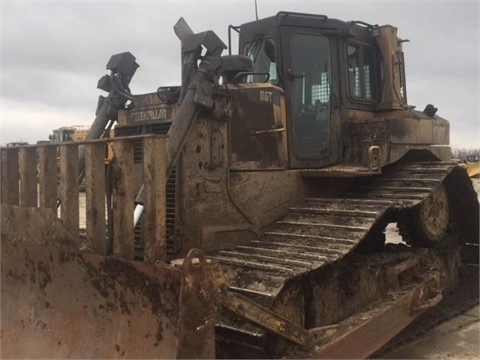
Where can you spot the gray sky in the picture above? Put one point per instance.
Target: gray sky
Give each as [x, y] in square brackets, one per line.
[53, 53]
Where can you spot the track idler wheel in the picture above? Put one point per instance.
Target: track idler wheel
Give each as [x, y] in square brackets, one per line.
[426, 223]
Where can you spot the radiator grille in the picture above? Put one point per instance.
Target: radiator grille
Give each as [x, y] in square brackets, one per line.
[173, 243]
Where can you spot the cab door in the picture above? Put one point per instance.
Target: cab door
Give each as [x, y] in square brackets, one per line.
[311, 91]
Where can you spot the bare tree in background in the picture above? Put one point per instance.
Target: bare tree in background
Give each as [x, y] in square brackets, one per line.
[461, 153]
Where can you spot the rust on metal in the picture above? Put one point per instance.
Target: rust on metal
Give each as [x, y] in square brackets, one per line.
[28, 176]
[76, 304]
[95, 198]
[198, 309]
[47, 177]
[34, 226]
[10, 176]
[393, 272]
[80, 305]
[69, 186]
[123, 200]
[252, 312]
[366, 331]
[154, 179]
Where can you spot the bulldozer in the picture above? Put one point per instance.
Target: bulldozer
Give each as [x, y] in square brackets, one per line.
[69, 133]
[246, 207]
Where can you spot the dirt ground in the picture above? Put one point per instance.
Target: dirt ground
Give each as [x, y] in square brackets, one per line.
[457, 338]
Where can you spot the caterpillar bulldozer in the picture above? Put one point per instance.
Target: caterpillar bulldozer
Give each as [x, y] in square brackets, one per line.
[69, 133]
[277, 173]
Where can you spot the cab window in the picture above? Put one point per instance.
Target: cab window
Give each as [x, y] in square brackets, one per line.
[262, 54]
[361, 72]
[311, 76]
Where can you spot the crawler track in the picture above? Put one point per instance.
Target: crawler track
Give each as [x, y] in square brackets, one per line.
[323, 231]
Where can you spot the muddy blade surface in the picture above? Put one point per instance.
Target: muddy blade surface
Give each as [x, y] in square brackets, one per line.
[64, 304]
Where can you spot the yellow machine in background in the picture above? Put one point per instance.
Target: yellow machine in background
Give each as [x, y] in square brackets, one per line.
[69, 133]
[472, 163]
[79, 133]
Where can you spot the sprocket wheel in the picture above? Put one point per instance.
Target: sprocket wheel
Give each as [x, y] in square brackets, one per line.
[426, 223]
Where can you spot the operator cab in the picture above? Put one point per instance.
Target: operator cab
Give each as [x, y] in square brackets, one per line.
[326, 68]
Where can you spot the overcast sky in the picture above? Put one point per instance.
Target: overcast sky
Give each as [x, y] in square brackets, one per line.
[53, 53]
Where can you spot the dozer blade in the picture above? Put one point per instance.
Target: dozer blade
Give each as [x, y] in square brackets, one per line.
[57, 302]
